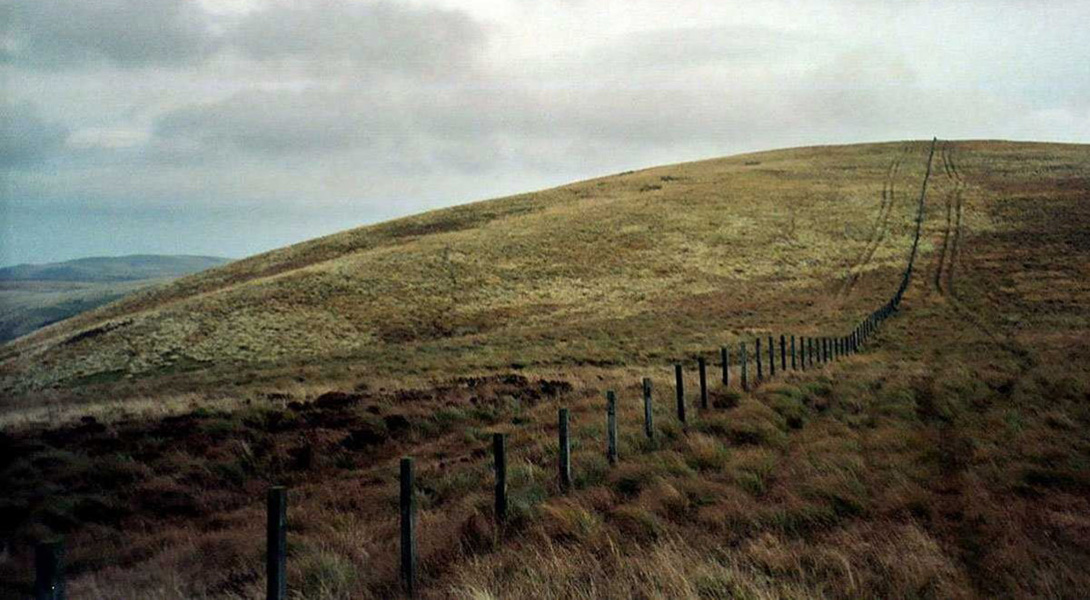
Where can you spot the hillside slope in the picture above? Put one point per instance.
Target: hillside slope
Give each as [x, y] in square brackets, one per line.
[949, 459]
[33, 296]
[639, 266]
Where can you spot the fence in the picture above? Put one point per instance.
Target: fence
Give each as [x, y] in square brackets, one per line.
[809, 352]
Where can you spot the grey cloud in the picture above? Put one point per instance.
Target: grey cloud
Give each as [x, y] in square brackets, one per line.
[689, 47]
[25, 137]
[381, 36]
[127, 33]
[281, 122]
[320, 34]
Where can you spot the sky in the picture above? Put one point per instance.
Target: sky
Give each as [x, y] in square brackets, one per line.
[231, 127]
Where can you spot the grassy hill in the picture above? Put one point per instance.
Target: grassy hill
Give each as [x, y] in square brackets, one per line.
[950, 459]
[641, 266]
[33, 296]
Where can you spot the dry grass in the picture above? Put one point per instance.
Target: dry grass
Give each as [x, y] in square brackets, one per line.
[949, 460]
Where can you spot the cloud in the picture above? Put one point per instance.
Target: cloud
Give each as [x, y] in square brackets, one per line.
[25, 137]
[381, 37]
[67, 34]
[319, 35]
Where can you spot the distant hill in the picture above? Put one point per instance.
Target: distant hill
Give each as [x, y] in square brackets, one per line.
[33, 296]
[101, 269]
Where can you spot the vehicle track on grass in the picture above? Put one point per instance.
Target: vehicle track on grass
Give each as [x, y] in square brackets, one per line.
[949, 252]
[881, 224]
[950, 255]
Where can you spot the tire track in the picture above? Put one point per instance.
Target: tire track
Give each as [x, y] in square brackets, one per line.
[950, 255]
[955, 248]
[944, 249]
[881, 224]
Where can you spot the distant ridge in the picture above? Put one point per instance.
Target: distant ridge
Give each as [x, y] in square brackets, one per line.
[95, 269]
[34, 296]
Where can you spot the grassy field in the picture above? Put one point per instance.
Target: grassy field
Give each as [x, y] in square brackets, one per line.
[951, 459]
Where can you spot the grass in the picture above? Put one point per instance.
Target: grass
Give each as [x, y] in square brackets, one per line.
[949, 460]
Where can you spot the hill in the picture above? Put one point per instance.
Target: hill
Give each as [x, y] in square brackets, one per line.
[641, 267]
[948, 459]
[33, 296]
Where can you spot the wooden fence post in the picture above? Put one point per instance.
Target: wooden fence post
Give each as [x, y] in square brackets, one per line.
[276, 543]
[611, 427]
[648, 424]
[49, 571]
[408, 528]
[679, 382]
[743, 361]
[724, 357]
[757, 357]
[794, 360]
[771, 358]
[783, 352]
[802, 352]
[565, 451]
[702, 367]
[499, 455]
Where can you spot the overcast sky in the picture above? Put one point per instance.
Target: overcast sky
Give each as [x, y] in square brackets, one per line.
[230, 127]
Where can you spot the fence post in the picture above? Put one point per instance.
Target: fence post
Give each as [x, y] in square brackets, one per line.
[648, 425]
[743, 360]
[794, 362]
[702, 367]
[276, 586]
[499, 454]
[757, 357]
[724, 356]
[565, 451]
[679, 382]
[408, 528]
[49, 571]
[611, 427]
[802, 352]
[771, 358]
[783, 352]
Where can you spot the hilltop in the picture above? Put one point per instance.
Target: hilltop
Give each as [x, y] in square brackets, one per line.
[33, 296]
[948, 459]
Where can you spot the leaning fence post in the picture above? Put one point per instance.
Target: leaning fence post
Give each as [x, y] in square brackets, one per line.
[744, 362]
[49, 571]
[679, 382]
[276, 587]
[499, 454]
[794, 363]
[565, 451]
[757, 357]
[648, 425]
[611, 427]
[724, 357]
[702, 367]
[771, 358]
[408, 528]
[783, 352]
